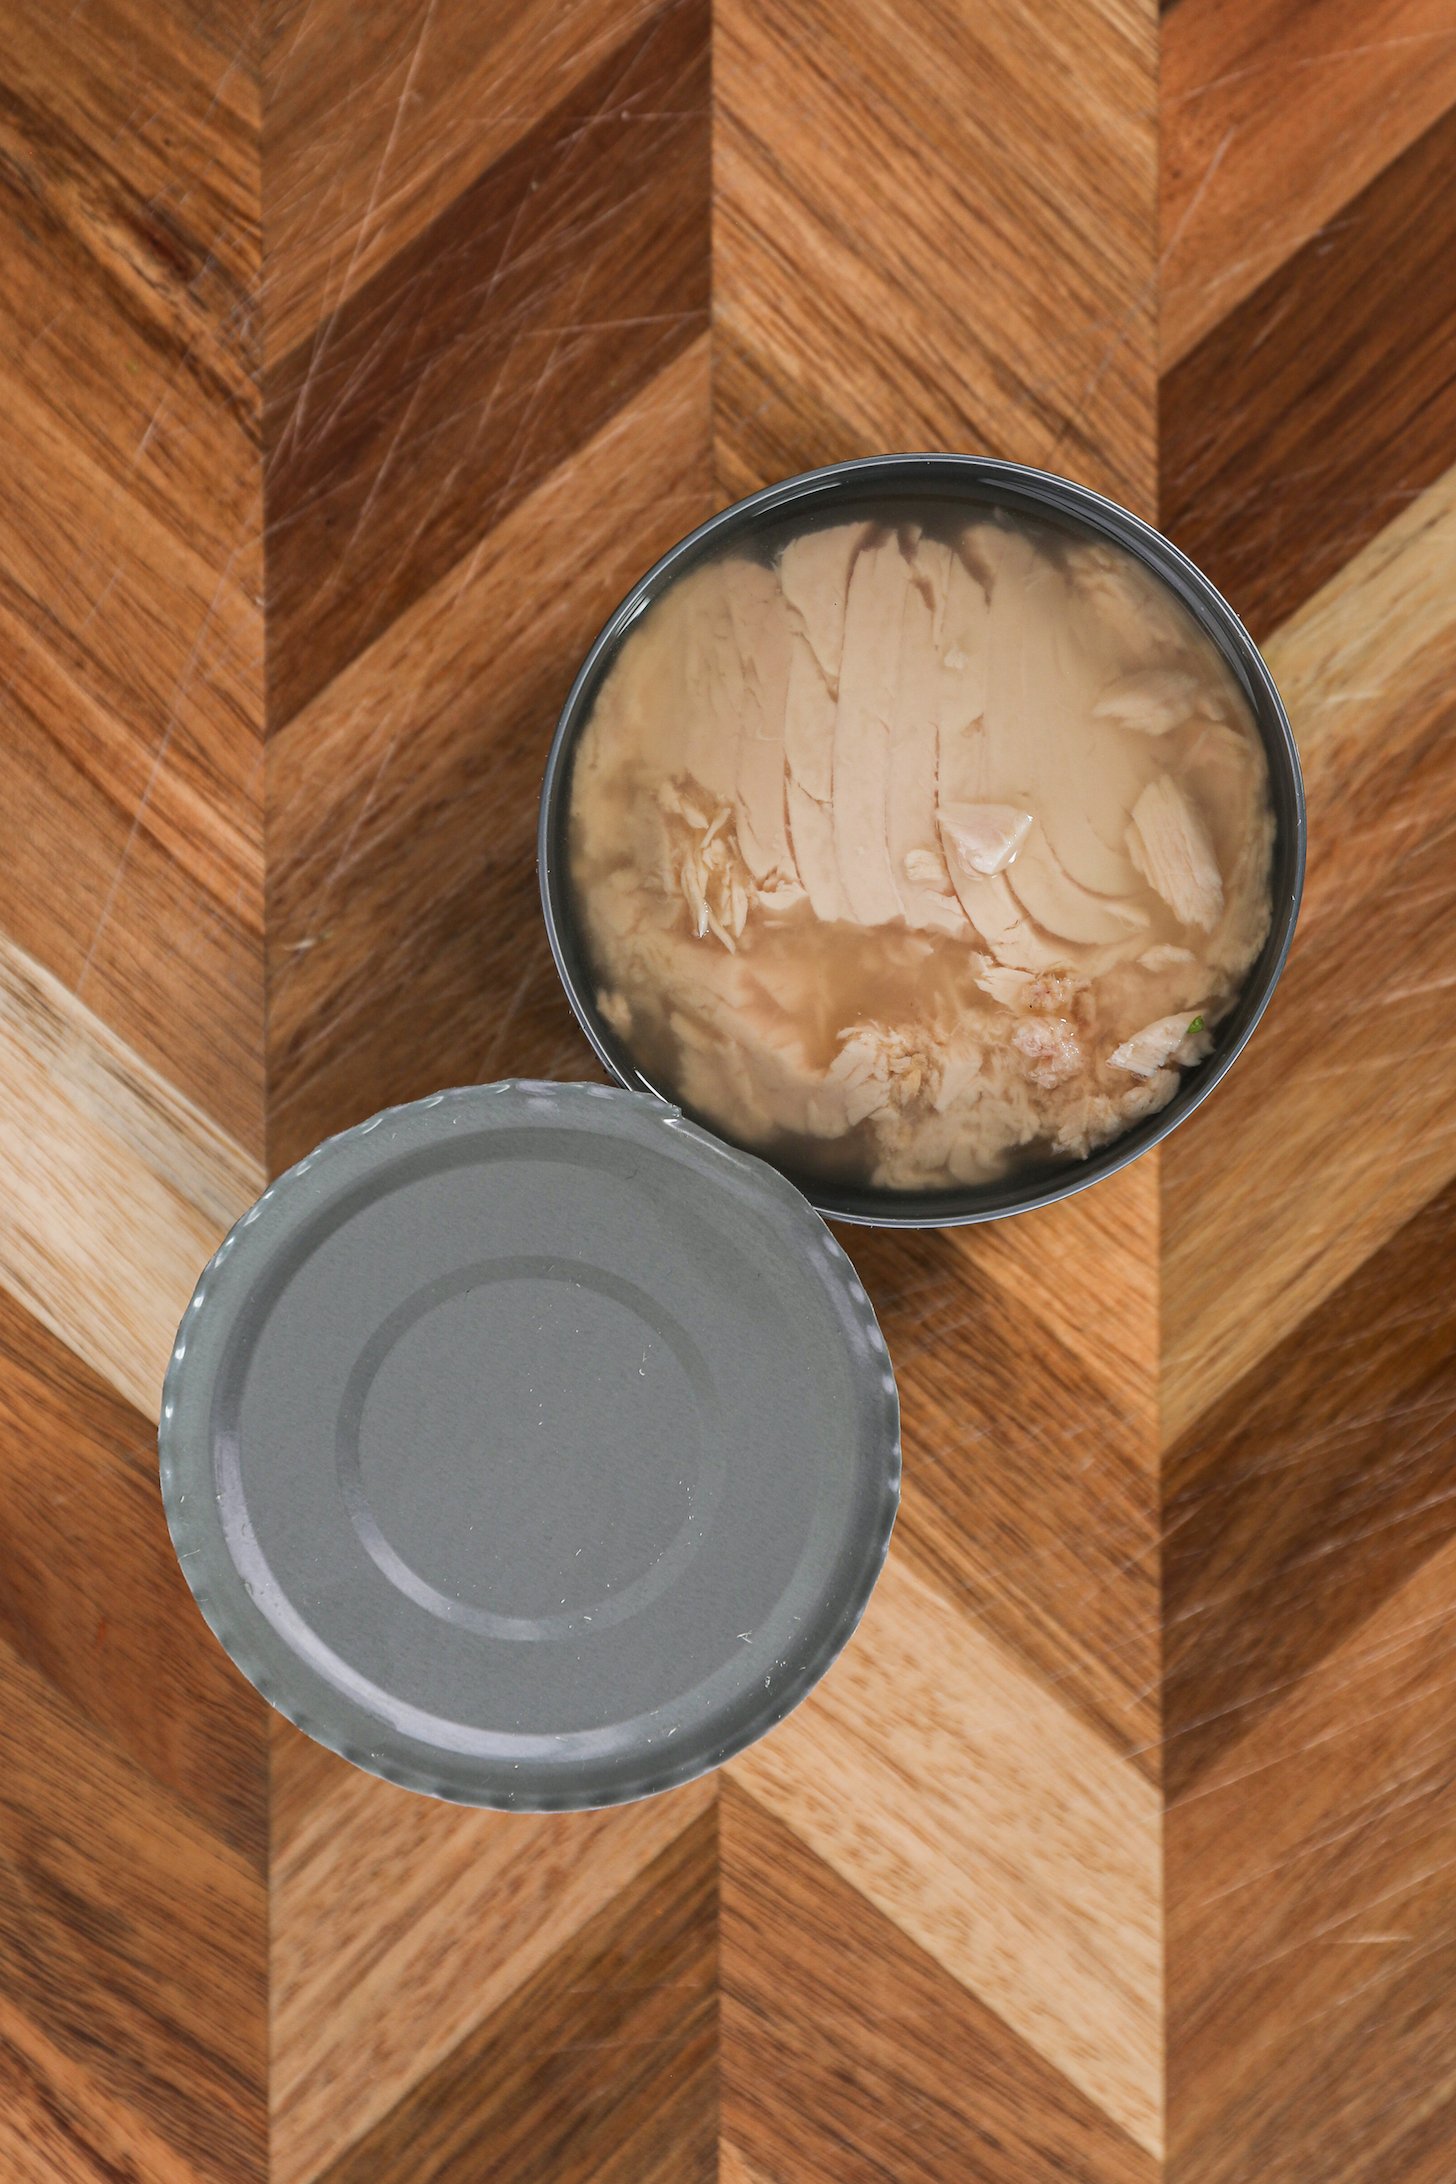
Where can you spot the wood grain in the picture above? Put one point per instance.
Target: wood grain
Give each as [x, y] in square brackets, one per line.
[132, 1940]
[93, 1597]
[479, 1905]
[734, 2167]
[1308, 438]
[357, 359]
[605, 2069]
[1274, 115]
[1087, 1269]
[1069, 1577]
[1312, 1924]
[406, 949]
[118, 1190]
[935, 228]
[486, 350]
[130, 552]
[1323, 1477]
[379, 118]
[57, 2126]
[999, 1832]
[1306, 419]
[849, 2053]
[1348, 1132]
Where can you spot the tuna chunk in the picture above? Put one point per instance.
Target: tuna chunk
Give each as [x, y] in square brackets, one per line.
[1147, 1050]
[1169, 844]
[1122, 602]
[987, 837]
[1153, 700]
[809, 722]
[703, 713]
[997, 916]
[878, 594]
[915, 767]
[814, 572]
[958, 633]
[760, 628]
[811, 833]
[1163, 956]
[1004, 984]
[1047, 892]
[993, 550]
[1038, 746]
[959, 639]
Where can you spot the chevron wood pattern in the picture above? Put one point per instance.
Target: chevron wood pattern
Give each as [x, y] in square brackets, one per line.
[358, 354]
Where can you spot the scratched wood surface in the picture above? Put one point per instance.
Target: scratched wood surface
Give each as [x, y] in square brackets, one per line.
[356, 356]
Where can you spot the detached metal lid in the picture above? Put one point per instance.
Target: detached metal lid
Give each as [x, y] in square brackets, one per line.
[530, 1447]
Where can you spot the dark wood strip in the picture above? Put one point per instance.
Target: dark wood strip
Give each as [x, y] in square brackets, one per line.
[1319, 407]
[405, 943]
[1309, 1493]
[1066, 1568]
[1311, 1921]
[1273, 115]
[850, 2054]
[601, 2070]
[377, 117]
[92, 1596]
[132, 1941]
[487, 350]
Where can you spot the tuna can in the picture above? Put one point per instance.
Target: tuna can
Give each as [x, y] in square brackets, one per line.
[968, 485]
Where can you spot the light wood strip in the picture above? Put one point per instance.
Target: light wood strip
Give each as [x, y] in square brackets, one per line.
[301, 1774]
[118, 1190]
[941, 1777]
[1363, 659]
[400, 1924]
[1274, 115]
[936, 227]
[735, 2167]
[1341, 1107]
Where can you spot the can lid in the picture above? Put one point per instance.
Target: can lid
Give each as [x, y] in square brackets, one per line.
[531, 1447]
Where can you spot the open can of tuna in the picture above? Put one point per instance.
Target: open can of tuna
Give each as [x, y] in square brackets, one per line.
[928, 825]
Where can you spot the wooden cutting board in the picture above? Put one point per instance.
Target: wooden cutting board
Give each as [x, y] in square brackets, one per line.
[356, 355]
